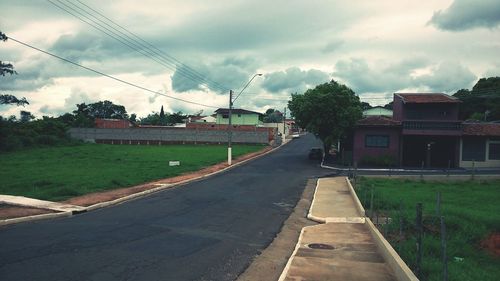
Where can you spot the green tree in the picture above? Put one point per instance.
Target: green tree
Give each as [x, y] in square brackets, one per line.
[162, 113]
[26, 116]
[273, 116]
[329, 111]
[482, 102]
[8, 68]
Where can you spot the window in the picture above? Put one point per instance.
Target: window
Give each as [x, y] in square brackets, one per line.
[377, 141]
[239, 115]
[494, 151]
[474, 149]
[225, 116]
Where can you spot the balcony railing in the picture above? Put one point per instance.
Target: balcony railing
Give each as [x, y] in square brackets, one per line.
[432, 125]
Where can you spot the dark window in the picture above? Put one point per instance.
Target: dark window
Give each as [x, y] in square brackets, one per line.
[474, 149]
[225, 115]
[494, 151]
[239, 115]
[377, 141]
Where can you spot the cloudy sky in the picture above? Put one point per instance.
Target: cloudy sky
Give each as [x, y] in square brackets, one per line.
[200, 49]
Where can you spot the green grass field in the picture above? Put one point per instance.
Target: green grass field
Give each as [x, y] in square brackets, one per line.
[471, 211]
[58, 173]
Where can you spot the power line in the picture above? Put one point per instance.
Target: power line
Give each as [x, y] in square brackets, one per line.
[109, 76]
[125, 39]
[152, 46]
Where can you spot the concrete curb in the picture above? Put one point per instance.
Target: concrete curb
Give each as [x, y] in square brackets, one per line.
[290, 259]
[309, 214]
[36, 217]
[359, 206]
[132, 196]
[398, 266]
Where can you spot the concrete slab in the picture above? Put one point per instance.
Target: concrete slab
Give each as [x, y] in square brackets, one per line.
[353, 255]
[333, 202]
[40, 204]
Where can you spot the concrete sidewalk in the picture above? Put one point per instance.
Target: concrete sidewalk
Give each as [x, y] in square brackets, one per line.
[39, 204]
[333, 202]
[346, 247]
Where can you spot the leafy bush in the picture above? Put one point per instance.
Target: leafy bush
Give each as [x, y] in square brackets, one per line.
[45, 132]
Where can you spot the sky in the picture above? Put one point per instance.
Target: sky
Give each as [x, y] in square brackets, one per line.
[197, 50]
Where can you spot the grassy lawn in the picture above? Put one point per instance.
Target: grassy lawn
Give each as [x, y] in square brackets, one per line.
[58, 173]
[471, 211]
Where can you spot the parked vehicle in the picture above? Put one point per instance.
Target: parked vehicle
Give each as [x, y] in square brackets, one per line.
[316, 153]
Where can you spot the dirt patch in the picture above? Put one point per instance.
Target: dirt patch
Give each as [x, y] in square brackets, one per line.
[492, 244]
[98, 197]
[10, 211]
[271, 262]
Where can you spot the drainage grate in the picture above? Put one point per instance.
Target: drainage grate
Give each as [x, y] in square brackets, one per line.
[320, 246]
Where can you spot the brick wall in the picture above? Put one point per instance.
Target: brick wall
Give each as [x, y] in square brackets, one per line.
[167, 135]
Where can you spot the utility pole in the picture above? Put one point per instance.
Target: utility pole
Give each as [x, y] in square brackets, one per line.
[284, 124]
[230, 133]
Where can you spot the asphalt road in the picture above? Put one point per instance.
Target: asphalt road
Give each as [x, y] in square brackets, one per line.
[206, 230]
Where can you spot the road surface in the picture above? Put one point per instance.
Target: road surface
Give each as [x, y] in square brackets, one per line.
[206, 230]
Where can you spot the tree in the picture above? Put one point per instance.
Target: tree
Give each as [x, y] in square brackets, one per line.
[365, 105]
[8, 68]
[10, 99]
[329, 111]
[273, 116]
[482, 102]
[162, 113]
[26, 116]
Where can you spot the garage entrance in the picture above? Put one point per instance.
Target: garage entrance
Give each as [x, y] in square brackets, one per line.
[433, 151]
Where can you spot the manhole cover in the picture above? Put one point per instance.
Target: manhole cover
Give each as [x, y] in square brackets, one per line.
[321, 246]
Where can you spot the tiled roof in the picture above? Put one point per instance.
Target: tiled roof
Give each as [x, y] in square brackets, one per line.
[236, 111]
[481, 129]
[378, 121]
[427, 98]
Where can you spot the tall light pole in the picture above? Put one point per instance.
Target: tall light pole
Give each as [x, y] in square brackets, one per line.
[230, 132]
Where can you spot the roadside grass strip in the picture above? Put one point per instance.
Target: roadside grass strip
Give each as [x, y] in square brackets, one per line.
[471, 212]
[59, 173]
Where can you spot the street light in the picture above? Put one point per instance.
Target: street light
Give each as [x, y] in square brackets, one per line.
[230, 133]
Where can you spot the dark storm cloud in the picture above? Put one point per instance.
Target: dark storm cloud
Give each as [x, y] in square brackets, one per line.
[445, 77]
[467, 14]
[294, 79]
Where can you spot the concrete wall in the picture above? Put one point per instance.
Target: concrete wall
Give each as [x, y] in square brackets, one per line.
[166, 135]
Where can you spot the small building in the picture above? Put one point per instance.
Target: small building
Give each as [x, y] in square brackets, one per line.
[480, 145]
[239, 117]
[425, 130]
[377, 111]
[112, 123]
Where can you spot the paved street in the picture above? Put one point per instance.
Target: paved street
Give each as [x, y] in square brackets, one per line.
[206, 230]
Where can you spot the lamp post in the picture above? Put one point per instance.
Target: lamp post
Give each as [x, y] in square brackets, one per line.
[230, 133]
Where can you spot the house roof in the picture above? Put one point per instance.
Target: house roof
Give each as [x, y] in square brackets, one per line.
[236, 111]
[427, 98]
[377, 110]
[378, 121]
[481, 129]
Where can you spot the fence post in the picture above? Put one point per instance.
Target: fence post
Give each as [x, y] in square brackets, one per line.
[438, 204]
[473, 172]
[422, 172]
[401, 221]
[355, 173]
[448, 170]
[443, 250]
[371, 204]
[419, 228]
